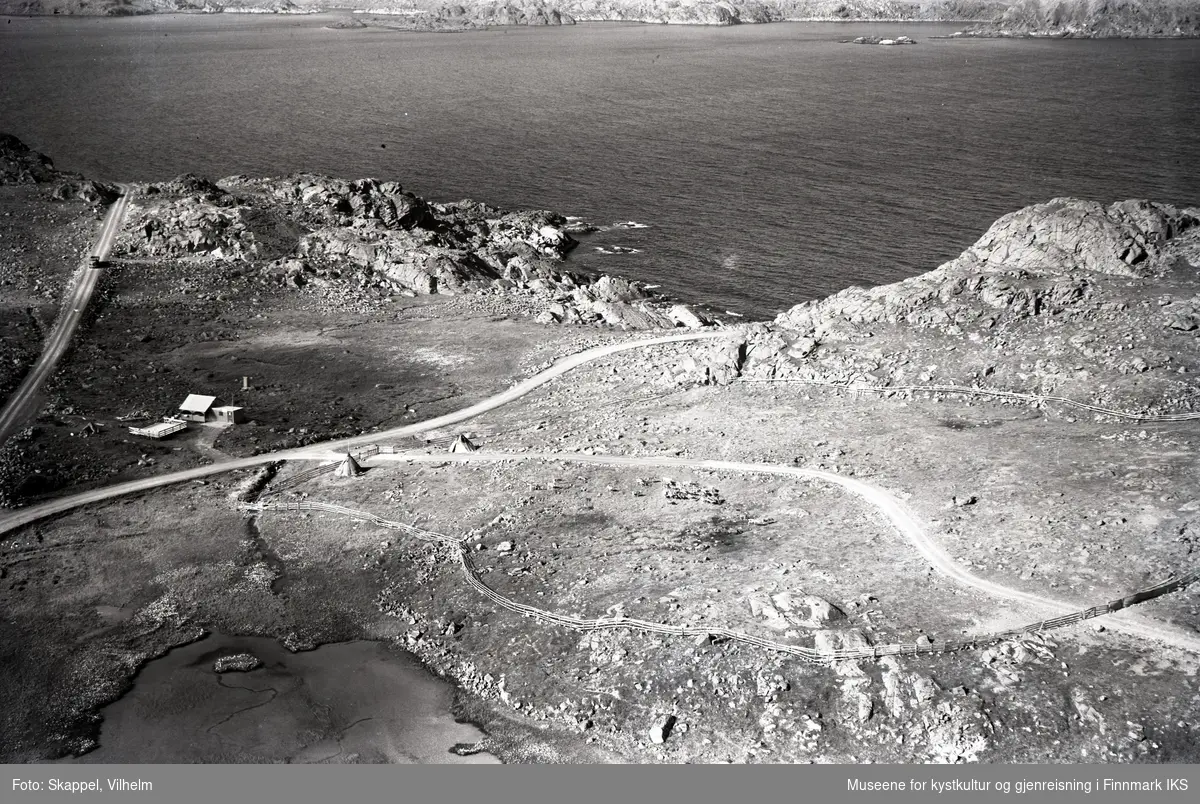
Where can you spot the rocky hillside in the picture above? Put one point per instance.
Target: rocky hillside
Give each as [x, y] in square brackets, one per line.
[1073, 18]
[429, 13]
[1096, 19]
[1070, 297]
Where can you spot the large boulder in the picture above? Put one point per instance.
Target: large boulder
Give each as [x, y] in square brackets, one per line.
[683, 316]
[711, 363]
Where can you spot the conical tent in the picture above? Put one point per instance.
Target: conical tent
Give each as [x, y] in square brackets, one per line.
[463, 444]
[348, 467]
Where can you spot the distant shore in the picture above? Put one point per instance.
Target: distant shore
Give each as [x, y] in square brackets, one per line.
[458, 19]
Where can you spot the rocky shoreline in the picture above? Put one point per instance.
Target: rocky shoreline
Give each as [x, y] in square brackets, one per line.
[1071, 298]
[992, 18]
[373, 240]
[1089, 19]
[1029, 305]
[482, 13]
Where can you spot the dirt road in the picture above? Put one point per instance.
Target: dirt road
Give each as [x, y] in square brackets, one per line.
[24, 516]
[886, 503]
[23, 404]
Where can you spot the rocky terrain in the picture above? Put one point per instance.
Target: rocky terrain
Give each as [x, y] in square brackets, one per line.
[372, 239]
[123, 8]
[48, 220]
[217, 258]
[352, 306]
[1094, 19]
[438, 14]
[20, 165]
[1070, 298]
[996, 18]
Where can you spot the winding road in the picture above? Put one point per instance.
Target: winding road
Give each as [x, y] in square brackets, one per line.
[887, 504]
[23, 404]
[24, 516]
[884, 502]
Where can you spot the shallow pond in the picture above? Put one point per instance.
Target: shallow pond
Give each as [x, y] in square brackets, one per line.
[345, 702]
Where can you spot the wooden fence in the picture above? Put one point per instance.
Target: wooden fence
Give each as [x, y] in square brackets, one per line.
[812, 655]
[857, 389]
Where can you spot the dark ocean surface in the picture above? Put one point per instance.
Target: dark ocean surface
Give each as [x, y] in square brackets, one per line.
[770, 164]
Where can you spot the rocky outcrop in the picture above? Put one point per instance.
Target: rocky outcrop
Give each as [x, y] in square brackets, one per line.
[406, 261]
[374, 238]
[1039, 261]
[787, 609]
[189, 184]
[21, 165]
[718, 363]
[1094, 19]
[569, 298]
[1071, 298]
[92, 192]
[887, 42]
[183, 228]
[340, 202]
[617, 302]
[324, 228]
[237, 663]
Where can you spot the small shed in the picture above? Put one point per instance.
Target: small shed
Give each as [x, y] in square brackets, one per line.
[200, 408]
[229, 414]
